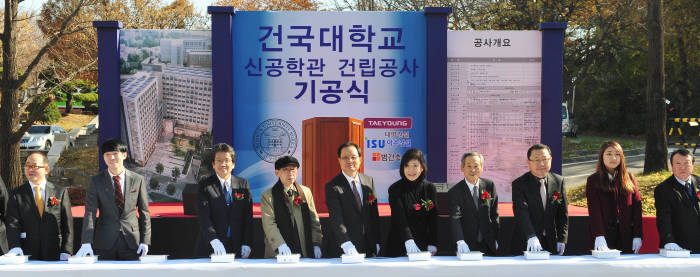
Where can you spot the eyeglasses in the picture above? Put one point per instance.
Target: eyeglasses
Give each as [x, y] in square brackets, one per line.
[33, 166]
[541, 160]
[350, 159]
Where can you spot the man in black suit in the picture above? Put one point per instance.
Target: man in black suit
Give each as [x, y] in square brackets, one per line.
[118, 193]
[225, 208]
[676, 201]
[352, 206]
[39, 219]
[3, 209]
[539, 206]
[474, 208]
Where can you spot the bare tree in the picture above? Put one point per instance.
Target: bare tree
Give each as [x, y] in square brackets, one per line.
[14, 77]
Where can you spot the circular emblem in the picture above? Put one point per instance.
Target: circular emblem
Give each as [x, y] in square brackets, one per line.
[274, 138]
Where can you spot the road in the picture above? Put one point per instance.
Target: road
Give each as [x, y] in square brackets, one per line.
[576, 173]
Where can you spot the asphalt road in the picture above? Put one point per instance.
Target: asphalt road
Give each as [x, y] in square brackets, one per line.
[576, 173]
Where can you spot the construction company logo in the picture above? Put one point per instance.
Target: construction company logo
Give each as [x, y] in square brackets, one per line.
[385, 157]
[274, 138]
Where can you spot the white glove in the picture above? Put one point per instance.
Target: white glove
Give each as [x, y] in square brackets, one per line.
[462, 246]
[636, 245]
[533, 244]
[15, 252]
[85, 249]
[672, 246]
[218, 247]
[142, 250]
[432, 249]
[496, 244]
[560, 248]
[411, 246]
[349, 248]
[600, 243]
[284, 250]
[64, 256]
[317, 252]
[377, 249]
[245, 251]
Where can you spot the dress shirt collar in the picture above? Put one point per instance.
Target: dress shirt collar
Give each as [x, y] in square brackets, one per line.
[350, 179]
[470, 185]
[41, 185]
[223, 181]
[683, 182]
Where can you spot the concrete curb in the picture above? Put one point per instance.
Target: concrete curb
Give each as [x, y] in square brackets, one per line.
[586, 158]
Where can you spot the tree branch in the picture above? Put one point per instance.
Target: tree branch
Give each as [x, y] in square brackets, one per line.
[61, 33]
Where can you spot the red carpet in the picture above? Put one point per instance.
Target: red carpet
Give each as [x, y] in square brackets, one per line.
[651, 236]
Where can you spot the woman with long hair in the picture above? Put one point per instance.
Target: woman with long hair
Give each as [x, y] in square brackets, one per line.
[413, 209]
[614, 203]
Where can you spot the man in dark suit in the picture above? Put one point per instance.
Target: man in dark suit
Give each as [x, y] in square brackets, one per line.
[39, 219]
[119, 234]
[539, 206]
[676, 201]
[225, 208]
[474, 208]
[352, 206]
[3, 209]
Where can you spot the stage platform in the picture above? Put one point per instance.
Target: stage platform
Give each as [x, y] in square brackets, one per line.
[175, 233]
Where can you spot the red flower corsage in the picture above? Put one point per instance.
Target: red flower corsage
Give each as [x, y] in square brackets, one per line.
[485, 195]
[239, 196]
[416, 206]
[298, 200]
[556, 197]
[53, 201]
[371, 199]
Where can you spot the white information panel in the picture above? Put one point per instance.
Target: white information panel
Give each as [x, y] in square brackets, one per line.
[493, 102]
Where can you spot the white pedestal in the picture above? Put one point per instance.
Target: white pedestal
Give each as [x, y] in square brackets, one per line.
[14, 259]
[537, 255]
[82, 260]
[353, 259]
[153, 259]
[674, 253]
[606, 254]
[470, 256]
[226, 258]
[288, 259]
[420, 256]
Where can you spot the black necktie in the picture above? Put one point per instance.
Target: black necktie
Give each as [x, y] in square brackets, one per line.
[357, 195]
[290, 193]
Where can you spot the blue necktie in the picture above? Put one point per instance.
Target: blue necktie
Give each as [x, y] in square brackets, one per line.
[689, 190]
[227, 193]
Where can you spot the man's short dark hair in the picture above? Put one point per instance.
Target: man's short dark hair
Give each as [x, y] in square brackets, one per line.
[113, 145]
[348, 144]
[225, 148]
[538, 147]
[44, 158]
[683, 152]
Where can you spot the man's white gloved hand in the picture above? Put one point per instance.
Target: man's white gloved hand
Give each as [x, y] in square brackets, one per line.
[349, 248]
[600, 243]
[533, 244]
[218, 247]
[411, 246]
[284, 250]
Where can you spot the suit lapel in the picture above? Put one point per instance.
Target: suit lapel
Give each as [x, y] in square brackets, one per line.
[128, 187]
[29, 198]
[50, 192]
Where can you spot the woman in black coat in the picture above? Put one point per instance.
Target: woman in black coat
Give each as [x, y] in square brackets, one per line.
[413, 209]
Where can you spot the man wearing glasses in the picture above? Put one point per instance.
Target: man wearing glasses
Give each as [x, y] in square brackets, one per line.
[39, 219]
[352, 207]
[225, 208]
[289, 217]
[539, 206]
